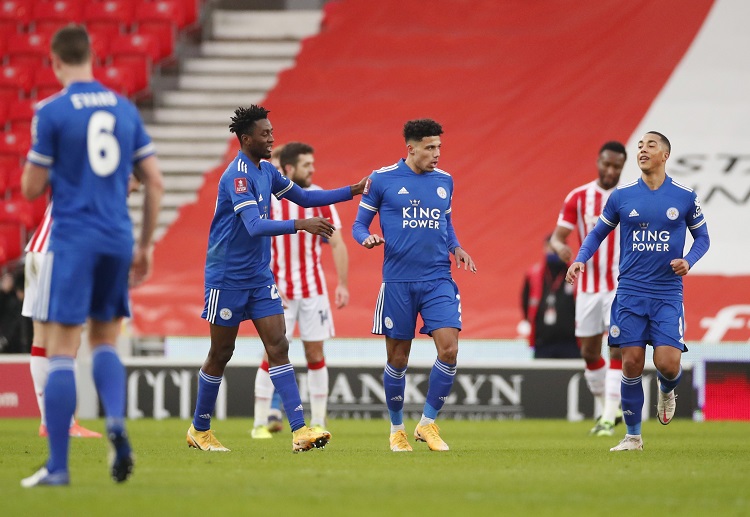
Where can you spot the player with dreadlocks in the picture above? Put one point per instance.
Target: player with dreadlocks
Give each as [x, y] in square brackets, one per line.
[239, 284]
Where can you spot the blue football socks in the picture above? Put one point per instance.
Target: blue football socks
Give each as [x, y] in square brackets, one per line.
[109, 378]
[285, 383]
[208, 390]
[668, 385]
[632, 403]
[59, 404]
[394, 382]
[441, 382]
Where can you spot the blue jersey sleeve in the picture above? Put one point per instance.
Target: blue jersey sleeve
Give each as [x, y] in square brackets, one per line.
[143, 145]
[452, 239]
[43, 139]
[238, 188]
[368, 207]
[611, 213]
[696, 224]
[310, 198]
[256, 226]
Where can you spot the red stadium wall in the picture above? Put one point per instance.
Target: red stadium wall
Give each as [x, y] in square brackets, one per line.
[526, 93]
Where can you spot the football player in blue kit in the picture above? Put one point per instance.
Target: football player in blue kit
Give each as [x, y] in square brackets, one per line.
[413, 198]
[654, 214]
[239, 284]
[86, 141]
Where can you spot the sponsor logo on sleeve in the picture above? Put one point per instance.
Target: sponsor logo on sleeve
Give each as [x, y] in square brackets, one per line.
[367, 186]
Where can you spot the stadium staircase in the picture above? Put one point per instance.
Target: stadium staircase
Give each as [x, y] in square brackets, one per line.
[188, 61]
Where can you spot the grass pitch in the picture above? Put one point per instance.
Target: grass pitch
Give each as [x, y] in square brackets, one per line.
[529, 467]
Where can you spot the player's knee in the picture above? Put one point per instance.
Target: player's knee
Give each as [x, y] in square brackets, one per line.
[448, 353]
[220, 355]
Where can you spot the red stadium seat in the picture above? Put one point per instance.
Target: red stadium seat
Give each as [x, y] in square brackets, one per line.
[20, 114]
[12, 237]
[189, 10]
[17, 78]
[159, 19]
[117, 78]
[29, 49]
[16, 210]
[14, 15]
[45, 83]
[135, 52]
[48, 16]
[112, 16]
[15, 143]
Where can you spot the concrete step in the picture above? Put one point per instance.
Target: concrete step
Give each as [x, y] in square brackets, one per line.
[203, 132]
[194, 116]
[239, 66]
[166, 216]
[190, 99]
[293, 24]
[183, 182]
[208, 150]
[251, 49]
[170, 200]
[187, 166]
[224, 82]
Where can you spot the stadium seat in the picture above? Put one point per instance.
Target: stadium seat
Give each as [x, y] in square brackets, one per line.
[28, 49]
[12, 236]
[117, 78]
[160, 20]
[188, 13]
[20, 114]
[48, 16]
[15, 143]
[136, 52]
[14, 15]
[111, 16]
[17, 79]
[17, 210]
[45, 83]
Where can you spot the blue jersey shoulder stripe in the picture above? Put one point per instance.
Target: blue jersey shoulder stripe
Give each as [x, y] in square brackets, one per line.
[368, 207]
[681, 186]
[703, 221]
[388, 168]
[441, 171]
[631, 184]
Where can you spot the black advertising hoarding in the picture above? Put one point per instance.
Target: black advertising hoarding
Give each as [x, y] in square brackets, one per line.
[498, 393]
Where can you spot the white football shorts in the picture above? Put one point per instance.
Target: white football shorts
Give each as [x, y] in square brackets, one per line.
[32, 270]
[313, 315]
[592, 313]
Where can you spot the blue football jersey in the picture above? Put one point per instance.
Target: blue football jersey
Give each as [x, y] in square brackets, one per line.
[89, 138]
[235, 260]
[653, 225]
[413, 210]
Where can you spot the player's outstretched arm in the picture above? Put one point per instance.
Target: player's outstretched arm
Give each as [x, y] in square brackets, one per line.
[316, 226]
[573, 271]
[463, 257]
[359, 188]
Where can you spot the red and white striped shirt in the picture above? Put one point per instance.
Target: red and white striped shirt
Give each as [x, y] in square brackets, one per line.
[40, 240]
[580, 212]
[295, 258]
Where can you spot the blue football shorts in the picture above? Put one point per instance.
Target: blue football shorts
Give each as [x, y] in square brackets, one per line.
[230, 307]
[640, 321]
[75, 285]
[437, 301]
